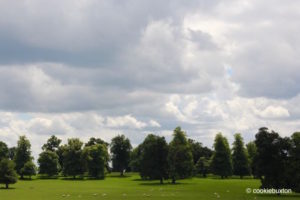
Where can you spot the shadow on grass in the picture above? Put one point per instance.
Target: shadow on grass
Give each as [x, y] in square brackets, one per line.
[10, 188]
[283, 196]
[48, 177]
[118, 176]
[159, 184]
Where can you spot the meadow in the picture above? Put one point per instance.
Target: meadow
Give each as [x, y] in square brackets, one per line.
[132, 187]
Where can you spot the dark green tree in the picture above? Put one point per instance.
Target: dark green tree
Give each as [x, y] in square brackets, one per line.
[52, 144]
[135, 159]
[272, 158]
[48, 162]
[93, 141]
[202, 166]
[96, 157]
[23, 154]
[252, 151]
[180, 158]
[240, 160]
[8, 174]
[293, 176]
[120, 148]
[3, 150]
[29, 169]
[73, 164]
[221, 159]
[12, 153]
[196, 148]
[153, 162]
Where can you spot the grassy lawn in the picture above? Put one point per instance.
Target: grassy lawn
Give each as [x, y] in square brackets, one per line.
[131, 187]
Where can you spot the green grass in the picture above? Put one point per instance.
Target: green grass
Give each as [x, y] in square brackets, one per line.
[131, 187]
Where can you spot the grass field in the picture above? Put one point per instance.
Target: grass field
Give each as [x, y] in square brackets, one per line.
[131, 187]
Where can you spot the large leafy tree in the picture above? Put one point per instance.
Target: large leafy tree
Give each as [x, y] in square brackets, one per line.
[153, 162]
[252, 151]
[240, 157]
[135, 159]
[294, 163]
[3, 150]
[29, 169]
[72, 158]
[196, 148]
[96, 157]
[8, 174]
[272, 158]
[221, 159]
[120, 148]
[180, 158]
[52, 144]
[12, 153]
[23, 154]
[202, 166]
[48, 162]
[93, 141]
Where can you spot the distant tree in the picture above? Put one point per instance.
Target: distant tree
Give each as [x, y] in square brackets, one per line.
[8, 174]
[60, 151]
[196, 148]
[252, 151]
[29, 169]
[293, 176]
[52, 144]
[3, 150]
[93, 141]
[120, 150]
[221, 159]
[180, 158]
[12, 152]
[72, 158]
[206, 152]
[272, 158]
[153, 162]
[96, 157]
[202, 166]
[23, 154]
[240, 157]
[48, 162]
[135, 159]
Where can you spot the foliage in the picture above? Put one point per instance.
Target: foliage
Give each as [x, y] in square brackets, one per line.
[3, 150]
[240, 157]
[29, 169]
[8, 174]
[252, 151]
[221, 160]
[52, 144]
[23, 154]
[120, 148]
[153, 162]
[135, 159]
[72, 158]
[96, 157]
[202, 166]
[180, 158]
[48, 162]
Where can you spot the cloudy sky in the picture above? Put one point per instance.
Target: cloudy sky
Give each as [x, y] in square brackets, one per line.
[100, 68]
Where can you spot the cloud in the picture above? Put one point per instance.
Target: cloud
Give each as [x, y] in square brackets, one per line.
[274, 112]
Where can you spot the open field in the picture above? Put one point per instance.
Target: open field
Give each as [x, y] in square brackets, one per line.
[131, 187]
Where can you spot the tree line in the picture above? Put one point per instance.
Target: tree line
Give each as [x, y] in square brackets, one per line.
[272, 159]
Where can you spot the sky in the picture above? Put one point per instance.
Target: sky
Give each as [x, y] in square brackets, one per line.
[90, 68]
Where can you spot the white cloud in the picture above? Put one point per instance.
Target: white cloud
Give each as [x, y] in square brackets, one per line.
[274, 112]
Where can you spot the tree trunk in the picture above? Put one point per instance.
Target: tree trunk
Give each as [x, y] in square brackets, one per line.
[22, 176]
[222, 177]
[241, 177]
[161, 181]
[122, 172]
[6, 185]
[74, 176]
[173, 180]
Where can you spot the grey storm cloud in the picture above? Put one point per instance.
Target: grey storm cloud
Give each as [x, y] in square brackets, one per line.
[99, 68]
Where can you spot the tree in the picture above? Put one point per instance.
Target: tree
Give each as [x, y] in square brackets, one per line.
[202, 166]
[196, 148]
[135, 159]
[252, 151]
[23, 154]
[94, 141]
[72, 158]
[240, 157]
[8, 174]
[180, 158]
[153, 161]
[120, 150]
[48, 162]
[294, 163]
[221, 159]
[96, 157]
[3, 150]
[29, 169]
[272, 158]
[12, 153]
[52, 144]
